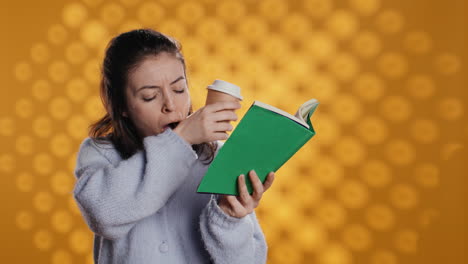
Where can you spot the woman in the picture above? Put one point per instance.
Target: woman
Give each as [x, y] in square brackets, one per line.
[139, 169]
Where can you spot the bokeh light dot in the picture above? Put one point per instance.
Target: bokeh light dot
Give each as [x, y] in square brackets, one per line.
[22, 71]
[43, 201]
[400, 152]
[72, 161]
[331, 214]
[150, 13]
[349, 151]
[7, 126]
[41, 90]
[418, 42]
[383, 256]
[93, 33]
[369, 87]
[342, 24]
[403, 196]
[450, 108]
[252, 28]
[335, 253]
[311, 237]
[406, 241]
[396, 108]
[93, 107]
[346, 108]
[190, 12]
[74, 14]
[73, 206]
[330, 129]
[328, 172]
[320, 46]
[59, 71]
[353, 194]
[132, 24]
[273, 10]
[112, 14]
[376, 173]
[357, 237]
[7, 163]
[288, 253]
[62, 182]
[420, 86]
[365, 7]
[92, 71]
[424, 130]
[77, 126]
[380, 217]
[205, 31]
[24, 108]
[57, 34]
[318, 8]
[62, 221]
[392, 65]
[60, 145]
[230, 11]
[80, 241]
[24, 220]
[366, 44]
[61, 256]
[40, 53]
[372, 130]
[390, 21]
[76, 53]
[60, 108]
[344, 66]
[25, 181]
[43, 239]
[447, 63]
[43, 163]
[427, 175]
[130, 3]
[42, 126]
[324, 87]
[77, 89]
[173, 27]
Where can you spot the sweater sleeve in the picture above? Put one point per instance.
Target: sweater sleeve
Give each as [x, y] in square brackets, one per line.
[229, 239]
[113, 197]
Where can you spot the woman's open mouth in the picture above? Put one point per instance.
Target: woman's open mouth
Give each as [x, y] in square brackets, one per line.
[172, 125]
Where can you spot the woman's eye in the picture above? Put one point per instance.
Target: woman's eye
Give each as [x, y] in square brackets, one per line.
[181, 91]
[148, 99]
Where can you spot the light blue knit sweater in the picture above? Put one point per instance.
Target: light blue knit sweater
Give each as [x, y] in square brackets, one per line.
[145, 209]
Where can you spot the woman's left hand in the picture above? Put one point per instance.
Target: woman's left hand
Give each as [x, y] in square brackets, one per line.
[244, 204]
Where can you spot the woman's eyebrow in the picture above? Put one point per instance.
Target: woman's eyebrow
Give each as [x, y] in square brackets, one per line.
[158, 87]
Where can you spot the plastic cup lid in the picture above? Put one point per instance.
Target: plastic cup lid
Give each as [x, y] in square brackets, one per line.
[225, 87]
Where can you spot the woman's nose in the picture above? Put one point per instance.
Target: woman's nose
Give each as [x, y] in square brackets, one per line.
[168, 105]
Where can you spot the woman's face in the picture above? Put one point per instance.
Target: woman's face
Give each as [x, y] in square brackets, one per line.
[157, 94]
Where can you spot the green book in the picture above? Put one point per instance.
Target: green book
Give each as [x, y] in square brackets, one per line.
[265, 139]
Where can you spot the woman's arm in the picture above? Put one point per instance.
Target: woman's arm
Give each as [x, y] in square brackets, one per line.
[230, 230]
[113, 198]
[232, 240]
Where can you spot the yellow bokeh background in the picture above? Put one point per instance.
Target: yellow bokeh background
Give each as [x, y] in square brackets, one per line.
[382, 182]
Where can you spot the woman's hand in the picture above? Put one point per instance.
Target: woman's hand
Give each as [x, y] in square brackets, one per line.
[244, 204]
[209, 123]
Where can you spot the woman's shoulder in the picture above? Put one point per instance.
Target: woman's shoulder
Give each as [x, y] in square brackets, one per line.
[102, 146]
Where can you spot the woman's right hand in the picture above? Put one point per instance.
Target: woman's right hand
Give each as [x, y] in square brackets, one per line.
[208, 123]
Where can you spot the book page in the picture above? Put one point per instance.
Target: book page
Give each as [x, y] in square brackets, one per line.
[281, 112]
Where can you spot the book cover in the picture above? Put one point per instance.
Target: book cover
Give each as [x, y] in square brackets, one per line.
[265, 139]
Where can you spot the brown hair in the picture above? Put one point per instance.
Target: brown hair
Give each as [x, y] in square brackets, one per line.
[123, 54]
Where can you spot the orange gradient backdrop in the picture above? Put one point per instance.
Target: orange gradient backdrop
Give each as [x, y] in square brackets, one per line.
[382, 182]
